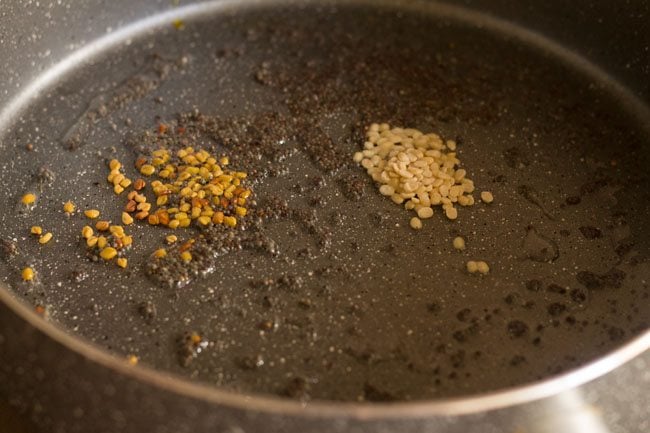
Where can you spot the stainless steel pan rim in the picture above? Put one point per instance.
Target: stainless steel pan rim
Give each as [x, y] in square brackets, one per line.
[446, 407]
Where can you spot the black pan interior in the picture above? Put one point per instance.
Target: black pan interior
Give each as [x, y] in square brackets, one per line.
[355, 305]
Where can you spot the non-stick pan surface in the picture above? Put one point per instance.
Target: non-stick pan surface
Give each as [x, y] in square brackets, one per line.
[343, 300]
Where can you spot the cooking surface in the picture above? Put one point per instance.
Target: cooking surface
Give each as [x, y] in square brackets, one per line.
[356, 305]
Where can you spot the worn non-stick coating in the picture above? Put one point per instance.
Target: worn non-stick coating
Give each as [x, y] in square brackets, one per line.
[355, 305]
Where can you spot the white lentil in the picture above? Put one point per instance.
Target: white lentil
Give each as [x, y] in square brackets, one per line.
[487, 197]
[425, 213]
[416, 223]
[483, 267]
[459, 243]
[415, 169]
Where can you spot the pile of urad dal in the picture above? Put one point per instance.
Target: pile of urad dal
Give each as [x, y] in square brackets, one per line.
[418, 170]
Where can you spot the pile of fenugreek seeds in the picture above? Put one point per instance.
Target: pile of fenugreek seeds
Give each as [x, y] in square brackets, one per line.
[190, 186]
[420, 171]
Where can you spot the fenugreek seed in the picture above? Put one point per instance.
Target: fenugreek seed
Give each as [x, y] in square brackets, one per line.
[139, 184]
[153, 219]
[186, 256]
[27, 274]
[141, 215]
[487, 197]
[36, 230]
[117, 178]
[483, 267]
[86, 232]
[451, 145]
[68, 207]
[204, 220]
[45, 238]
[130, 206]
[425, 213]
[131, 359]
[114, 164]
[108, 253]
[140, 198]
[125, 183]
[28, 199]
[472, 267]
[102, 226]
[91, 213]
[126, 219]
[118, 189]
[127, 240]
[415, 223]
[173, 224]
[240, 211]
[451, 213]
[102, 242]
[147, 169]
[92, 241]
[160, 253]
[122, 262]
[459, 243]
[230, 221]
[117, 231]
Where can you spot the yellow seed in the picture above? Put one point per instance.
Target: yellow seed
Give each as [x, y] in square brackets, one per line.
[230, 221]
[173, 224]
[224, 160]
[140, 198]
[161, 200]
[415, 223]
[127, 240]
[117, 178]
[27, 274]
[122, 262]
[118, 189]
[68, 207]
[102, 226]
[131, 359]
[147, 170]
[185, 222]
[459, 243]
[186, 256]
[483, 267]
[125, 183]
[108, 253]
[126, 218]
[92, 241]
[36, 230]
[196, 212]
[45, 238]
[240, 211]
[160, 253]
[171, 239]
[487, 197]
[117, 231]
[153, 219]
[102, 242]
[164, 173]
[185, 207]
[114, 164]
[87, 232]
[204, 220]
[28, 199]
[472, 266]
[218, 217]
[91, 213]
[181, 215]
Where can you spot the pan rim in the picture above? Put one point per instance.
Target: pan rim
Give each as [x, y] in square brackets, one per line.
[472, 404]
[176, 384]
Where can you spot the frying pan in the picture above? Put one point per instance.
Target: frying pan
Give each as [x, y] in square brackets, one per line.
[347, 320]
